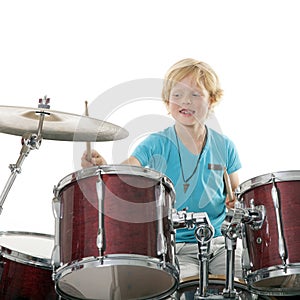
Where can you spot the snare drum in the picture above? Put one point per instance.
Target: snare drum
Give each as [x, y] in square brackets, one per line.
[273, 250]
[25, 269]
[114, 236]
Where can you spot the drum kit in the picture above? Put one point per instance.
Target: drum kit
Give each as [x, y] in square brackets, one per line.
[115, 228]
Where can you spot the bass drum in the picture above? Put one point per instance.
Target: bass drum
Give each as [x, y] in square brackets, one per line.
[25, 269]
[272, 250]
[216, 283]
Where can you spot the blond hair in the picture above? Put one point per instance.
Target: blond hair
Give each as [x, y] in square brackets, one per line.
[202, 73]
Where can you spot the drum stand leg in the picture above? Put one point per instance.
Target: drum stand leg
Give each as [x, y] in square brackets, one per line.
[204, 233]
[29, 142]
[229, 290]
[203, 257]
[231, 230]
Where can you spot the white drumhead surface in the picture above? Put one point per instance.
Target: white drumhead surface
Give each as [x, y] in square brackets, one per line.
[33, 244]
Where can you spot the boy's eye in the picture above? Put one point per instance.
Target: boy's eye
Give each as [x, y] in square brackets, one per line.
[176, 95]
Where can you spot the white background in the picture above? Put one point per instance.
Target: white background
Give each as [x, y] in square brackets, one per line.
[74, 51]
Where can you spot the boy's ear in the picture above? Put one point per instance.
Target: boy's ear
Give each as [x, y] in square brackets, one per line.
[211, 101]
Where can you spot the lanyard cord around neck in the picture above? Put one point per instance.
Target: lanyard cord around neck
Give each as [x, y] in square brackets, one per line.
[180, 159]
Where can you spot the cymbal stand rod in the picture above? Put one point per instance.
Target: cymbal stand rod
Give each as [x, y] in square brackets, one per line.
[88, 144]
[30, 141]
[43, 103]
[15, 170]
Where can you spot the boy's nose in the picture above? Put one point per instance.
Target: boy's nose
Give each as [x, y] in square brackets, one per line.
[187, 99]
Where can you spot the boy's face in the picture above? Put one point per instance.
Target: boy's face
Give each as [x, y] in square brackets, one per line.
[188, 103]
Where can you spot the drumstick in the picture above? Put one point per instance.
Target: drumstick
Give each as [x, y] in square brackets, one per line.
[88, 144]
[228, 185]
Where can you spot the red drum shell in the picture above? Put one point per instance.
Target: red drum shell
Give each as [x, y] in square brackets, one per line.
[130, 221]
[24, 276]
[267, 274]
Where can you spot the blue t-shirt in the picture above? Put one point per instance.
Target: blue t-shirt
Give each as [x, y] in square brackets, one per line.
[206, 192]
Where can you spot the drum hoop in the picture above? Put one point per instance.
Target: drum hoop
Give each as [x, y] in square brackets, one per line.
[116, 170]
[112, 259]
[24, 258]
[280, 176]
[273, 272]
[190, 279]
[118, 260]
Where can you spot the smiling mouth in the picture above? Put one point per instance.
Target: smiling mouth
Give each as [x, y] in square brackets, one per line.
[185, 111]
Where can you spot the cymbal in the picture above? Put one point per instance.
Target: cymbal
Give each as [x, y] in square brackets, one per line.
[57, 125]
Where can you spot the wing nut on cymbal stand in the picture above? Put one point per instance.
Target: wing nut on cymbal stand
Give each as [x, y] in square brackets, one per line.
[30, 141]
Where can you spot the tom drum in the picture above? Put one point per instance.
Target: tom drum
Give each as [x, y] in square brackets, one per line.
[114, 237]
[25, 269]
[272, 256]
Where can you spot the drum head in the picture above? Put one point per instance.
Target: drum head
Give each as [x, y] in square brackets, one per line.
[27, 248]
[26, 266]
[275, 281]
[267, 178]
[117, 170]
[116, 277]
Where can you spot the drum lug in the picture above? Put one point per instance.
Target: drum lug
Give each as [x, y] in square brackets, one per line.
[161, 240]
[55, 257]
[56, 205]
[281, 239]
[100, 195]
[56, 208]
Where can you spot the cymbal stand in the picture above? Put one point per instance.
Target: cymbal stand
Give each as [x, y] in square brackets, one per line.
[30, 141]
